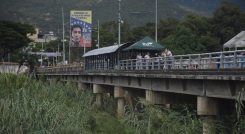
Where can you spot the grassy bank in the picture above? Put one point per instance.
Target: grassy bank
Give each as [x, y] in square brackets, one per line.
[35, 107]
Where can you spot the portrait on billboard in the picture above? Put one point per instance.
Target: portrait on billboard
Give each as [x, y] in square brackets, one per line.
[81, 26]
[76, 36]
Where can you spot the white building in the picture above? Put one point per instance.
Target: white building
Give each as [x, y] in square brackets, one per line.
[11, 67]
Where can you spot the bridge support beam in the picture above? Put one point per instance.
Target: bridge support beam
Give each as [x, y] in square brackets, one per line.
[99, 90]
[157, 98]
[208, 109]
[167, 98]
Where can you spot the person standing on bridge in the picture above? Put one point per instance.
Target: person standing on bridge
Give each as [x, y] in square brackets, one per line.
[139, 61]
[168, 53]
[147, 57]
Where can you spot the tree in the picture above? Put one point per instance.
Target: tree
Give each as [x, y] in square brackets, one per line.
[202, 27]
[13, 36]
[183, 42]
[167, 27]
[228, 21]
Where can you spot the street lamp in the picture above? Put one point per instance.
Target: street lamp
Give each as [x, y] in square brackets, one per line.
[98, 34]
[64, 40]
[119, 21]
[42, 55]
[84, 45]
[98, 45]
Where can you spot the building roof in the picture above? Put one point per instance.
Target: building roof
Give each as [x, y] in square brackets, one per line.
[103, 50]
[237, 41]
[147, 44]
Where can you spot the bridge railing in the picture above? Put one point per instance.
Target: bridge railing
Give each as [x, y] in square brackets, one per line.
[62, 68]
[226, 59]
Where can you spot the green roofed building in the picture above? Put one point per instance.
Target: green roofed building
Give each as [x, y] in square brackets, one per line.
[146, 44]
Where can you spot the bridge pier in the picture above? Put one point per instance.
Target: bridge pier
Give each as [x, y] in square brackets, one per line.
[167, 98]
[208, 109]
[119, 94]
[99, 90]
[83, 86]
[129, 95]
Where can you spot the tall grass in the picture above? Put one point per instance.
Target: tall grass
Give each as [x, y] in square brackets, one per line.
[156, 119]
[33, 107]
[30, 106]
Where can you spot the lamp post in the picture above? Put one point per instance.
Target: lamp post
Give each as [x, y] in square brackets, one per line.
[98, 45]
[69, 52]
[84, 45]
[42, 56]
[119, 21]
[98, 34]
[53, 58]
[156, 22]
[63, 37]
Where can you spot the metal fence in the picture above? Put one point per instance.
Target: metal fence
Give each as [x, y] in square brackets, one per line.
[215, 60]
[227, 59]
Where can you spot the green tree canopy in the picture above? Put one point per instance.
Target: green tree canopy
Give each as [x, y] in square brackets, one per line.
[228, 20]
[13, 36]
[183, 42]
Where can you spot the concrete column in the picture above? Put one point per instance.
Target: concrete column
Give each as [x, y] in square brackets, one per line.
[119, 94]
[120, 106]
[99, 100]
[209, 125]
[99, 90]
[167, 106]
[158, 98]
[60, 83]
[82, 86]
[208, 109]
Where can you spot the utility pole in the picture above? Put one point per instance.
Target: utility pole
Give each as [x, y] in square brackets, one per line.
[156, 22]
[98, 34]
[58, 50]
[53, 58]
[119, 21]
[63, 37]
[42, 56]
[69, 52]
[84, 45]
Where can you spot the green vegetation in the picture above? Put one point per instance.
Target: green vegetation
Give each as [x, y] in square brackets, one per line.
[32, 107]
[29, 106]
[207, 5]
[46, 14]
[13, 36]
[192, 35]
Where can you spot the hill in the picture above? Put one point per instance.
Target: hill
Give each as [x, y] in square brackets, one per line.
[207, 5]
[46, 14]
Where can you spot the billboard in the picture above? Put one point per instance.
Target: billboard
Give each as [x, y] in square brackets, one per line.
[81, 22]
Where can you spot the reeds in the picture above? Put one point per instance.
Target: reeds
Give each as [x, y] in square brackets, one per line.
[29, 106]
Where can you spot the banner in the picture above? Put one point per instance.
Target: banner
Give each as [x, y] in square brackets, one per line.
[81, 23]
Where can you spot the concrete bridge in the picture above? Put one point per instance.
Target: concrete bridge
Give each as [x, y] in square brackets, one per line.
[213, 90]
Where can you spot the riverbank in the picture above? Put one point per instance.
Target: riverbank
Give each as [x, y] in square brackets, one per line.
[31, 106]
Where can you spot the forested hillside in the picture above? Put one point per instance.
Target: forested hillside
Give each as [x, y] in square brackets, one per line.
[46, 14]
[207, 5]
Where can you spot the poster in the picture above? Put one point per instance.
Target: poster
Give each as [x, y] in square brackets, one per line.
[81, 24]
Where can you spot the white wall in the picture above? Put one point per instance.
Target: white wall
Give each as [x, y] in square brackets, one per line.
[12, 68]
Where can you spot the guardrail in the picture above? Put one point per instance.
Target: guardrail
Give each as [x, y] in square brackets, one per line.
[61, 68]
[226, 59]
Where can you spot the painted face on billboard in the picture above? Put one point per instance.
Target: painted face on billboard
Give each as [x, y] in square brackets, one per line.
[76, 34]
